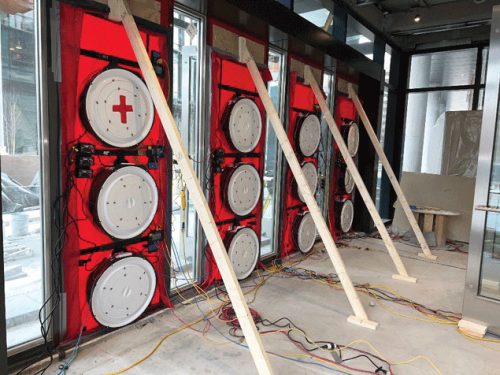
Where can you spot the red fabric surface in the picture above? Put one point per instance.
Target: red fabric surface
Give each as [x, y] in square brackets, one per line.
[233, 76]
[80, 29]
[301, 102]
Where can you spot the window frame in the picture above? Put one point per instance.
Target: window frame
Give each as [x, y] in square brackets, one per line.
[201, 143]
[47, 193]
[476, 87]
[279, 157]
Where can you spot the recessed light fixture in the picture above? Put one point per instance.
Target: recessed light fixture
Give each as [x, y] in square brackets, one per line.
[417, 18]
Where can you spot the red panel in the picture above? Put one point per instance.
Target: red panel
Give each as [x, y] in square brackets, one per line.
[82, 30]
[301, 102]
[230, 80]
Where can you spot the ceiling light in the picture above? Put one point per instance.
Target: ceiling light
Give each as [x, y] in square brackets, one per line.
[417, 18]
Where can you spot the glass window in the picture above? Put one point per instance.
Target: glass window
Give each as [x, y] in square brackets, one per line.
[387, 62]
[381, 138]
[318, 12]
[271, 165]
[20, 143]
[449, 68]
[359, 37]
[484, 62]
[425, 122]
[186, 110]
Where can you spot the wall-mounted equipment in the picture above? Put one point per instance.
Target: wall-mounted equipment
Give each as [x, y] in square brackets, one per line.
[237, 137]
[115, 161]
[121, 289]
[298, 232]
[118, 107]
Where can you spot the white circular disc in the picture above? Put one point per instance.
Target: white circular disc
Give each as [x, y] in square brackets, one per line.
[119, 108]
[306, 234]
[346, 216]
[348, 182]
[245, 125]
[353, 139]
[123, 291]
[243, 189]
[311, 174]
[244, 252]
[309, 135]
[127, 202]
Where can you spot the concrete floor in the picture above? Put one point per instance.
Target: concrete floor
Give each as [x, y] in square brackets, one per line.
[322, 312]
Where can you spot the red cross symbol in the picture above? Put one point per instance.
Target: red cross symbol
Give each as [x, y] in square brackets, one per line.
[123, 108]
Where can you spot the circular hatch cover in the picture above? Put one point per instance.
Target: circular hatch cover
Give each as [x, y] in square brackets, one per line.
[245, 125]
[119, 108]
[348, 182]
[309, 135]
[243, 189]
[346, 216]
[353, 138]
[123, 291]
[311, 175]
[127, 202]
[306, 234]
[244, 252]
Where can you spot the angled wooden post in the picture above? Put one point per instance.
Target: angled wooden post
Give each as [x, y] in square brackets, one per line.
[426, 252]
[359, 316]
[402, 273]
[120, 12]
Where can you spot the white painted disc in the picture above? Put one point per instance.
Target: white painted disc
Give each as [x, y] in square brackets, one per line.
[311, 174]
[245, 125]
[243, 189]
[353, 139]
[244, 252]
[309, 135]
[127, 202]
[123, 291]
[348, 182]
[306, 234]
[119, 108]
[346, 216]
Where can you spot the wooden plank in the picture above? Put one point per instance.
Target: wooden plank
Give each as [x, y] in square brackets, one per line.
[426, 252]
[472, 328]
[363, 191]
[440, 230]
[428, 223]
[360, 316]
[119, 12]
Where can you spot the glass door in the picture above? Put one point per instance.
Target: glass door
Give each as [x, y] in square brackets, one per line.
[23, 175]
[482, 289]
[187, 107]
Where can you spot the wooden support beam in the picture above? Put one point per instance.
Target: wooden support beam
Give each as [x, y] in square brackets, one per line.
[426, 252]
[402, 273]
[359, 316]
[120, 12]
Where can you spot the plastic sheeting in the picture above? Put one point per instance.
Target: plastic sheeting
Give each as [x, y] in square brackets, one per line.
[461, 143]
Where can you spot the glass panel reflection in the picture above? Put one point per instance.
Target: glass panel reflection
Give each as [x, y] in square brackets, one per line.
[185, 103]
[271, 160]
[490, 265]
[21, 168]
